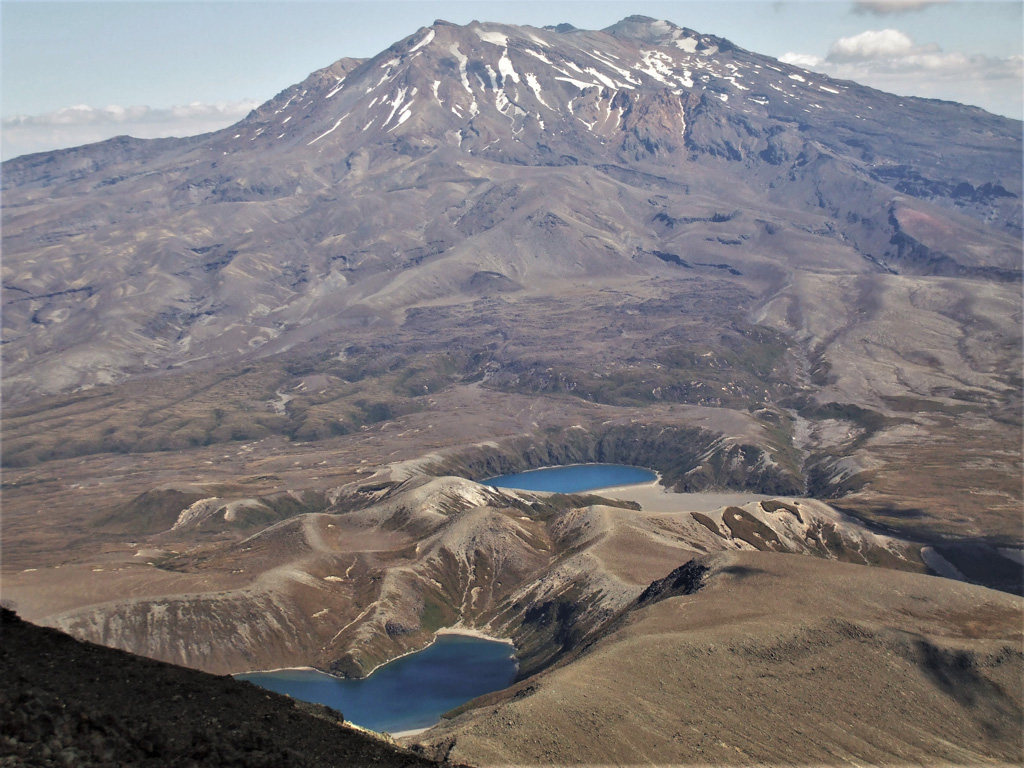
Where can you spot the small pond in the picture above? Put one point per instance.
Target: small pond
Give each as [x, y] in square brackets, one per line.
[575, 478]
[409, 693]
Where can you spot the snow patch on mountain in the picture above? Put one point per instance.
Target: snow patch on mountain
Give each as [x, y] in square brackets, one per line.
[614, 67]
[540, 56]
[506, 69]
[494, 38]
[534, 83]
[538, 40]
[395, 104]
[578, 83]
[656, 66]
[463, 61]
[424, 42]
[329, 130]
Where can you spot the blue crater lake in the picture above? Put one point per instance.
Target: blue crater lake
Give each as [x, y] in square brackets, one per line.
[408, 693]
[574, 479]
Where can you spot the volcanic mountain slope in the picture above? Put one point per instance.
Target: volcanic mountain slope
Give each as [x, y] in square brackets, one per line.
[467, 154]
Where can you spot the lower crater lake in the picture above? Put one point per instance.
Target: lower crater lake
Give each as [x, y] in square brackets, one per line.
[409, 693]
[575, 478]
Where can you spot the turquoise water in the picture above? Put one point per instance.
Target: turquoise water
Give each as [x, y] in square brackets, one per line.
[574, 479]
[408, 693]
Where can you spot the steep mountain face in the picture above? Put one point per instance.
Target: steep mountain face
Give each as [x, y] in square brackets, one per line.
[482, 159]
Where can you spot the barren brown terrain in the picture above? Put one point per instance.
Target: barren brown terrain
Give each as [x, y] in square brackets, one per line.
[776, 660]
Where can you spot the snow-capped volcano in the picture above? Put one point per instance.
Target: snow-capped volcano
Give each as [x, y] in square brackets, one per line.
[513, 82]
[468, 159]
[522, 94]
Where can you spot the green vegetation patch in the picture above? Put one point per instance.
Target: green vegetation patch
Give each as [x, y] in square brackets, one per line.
[683, 350]
[436, 615]
[304, 396]
[868, 420]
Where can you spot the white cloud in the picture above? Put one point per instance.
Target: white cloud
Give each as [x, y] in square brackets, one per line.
[886, 7]
[890, 60]
[82, 124]
[804, 60]
[870, 45]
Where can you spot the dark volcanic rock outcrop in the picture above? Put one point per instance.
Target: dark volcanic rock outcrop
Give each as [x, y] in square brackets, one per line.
[684, 580]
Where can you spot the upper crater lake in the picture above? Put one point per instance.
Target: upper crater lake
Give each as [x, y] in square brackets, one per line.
[575, 478]
[409, 693]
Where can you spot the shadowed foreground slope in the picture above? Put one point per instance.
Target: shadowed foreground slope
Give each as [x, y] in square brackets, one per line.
[64, 702]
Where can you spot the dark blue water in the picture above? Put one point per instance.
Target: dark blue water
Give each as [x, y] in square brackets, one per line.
[574, 479]
[410, 692]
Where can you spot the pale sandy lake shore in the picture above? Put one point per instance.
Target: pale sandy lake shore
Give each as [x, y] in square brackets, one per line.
[656, 498]
[471, 632]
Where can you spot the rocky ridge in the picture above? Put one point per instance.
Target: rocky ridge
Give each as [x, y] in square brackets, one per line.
[835, 665]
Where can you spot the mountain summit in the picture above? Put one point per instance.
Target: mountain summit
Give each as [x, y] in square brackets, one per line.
[513, 94]
[465, 158]
[641, 88]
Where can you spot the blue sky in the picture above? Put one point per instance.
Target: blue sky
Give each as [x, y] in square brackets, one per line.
[80, 71]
